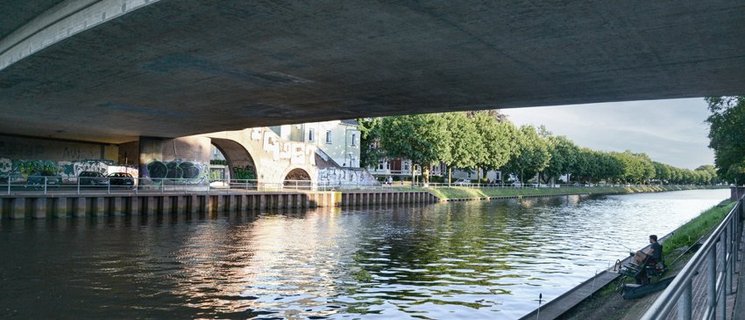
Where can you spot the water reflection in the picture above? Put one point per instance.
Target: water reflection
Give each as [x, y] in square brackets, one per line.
[473, 260]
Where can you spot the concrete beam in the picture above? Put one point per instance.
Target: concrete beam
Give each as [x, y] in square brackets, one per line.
[228, 65]
[61, 22]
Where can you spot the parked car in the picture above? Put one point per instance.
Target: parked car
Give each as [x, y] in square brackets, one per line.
[92, 178]
[38, 179]
[462, 182]
[121, 179]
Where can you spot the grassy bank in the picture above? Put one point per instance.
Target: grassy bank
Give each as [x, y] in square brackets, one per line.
[448, 193]
[607, 303]
[701, 226]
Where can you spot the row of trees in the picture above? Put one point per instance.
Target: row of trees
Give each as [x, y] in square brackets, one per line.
[486, 140]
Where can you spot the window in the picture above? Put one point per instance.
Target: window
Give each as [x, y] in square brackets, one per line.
[328, 136]
[354, 139]
[311, 134]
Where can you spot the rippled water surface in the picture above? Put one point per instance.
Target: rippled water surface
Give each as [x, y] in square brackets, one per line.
[472, 260]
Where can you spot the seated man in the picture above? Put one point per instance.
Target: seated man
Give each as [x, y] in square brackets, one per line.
[651, 256]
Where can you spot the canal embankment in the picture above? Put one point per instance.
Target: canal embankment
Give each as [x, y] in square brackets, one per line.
[489, 193]
[34, 205]
[599, 298]
[37, 205]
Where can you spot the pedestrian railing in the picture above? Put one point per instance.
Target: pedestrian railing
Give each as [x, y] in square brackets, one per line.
[45, 184]
[707, 277]
[55, 184]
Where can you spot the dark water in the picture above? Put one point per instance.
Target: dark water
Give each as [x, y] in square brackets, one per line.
[474, 260]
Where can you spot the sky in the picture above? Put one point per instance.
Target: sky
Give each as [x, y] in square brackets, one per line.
[669, 131]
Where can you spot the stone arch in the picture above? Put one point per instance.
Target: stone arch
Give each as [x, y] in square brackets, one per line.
[298, 178]
[240, 162]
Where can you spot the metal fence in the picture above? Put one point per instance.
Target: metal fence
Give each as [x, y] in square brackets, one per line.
[699, 291]
[56, 184]
[110, 184]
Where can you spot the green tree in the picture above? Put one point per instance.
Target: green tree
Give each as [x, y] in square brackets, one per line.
[637, 167]
[497, 135]
[370, 151]
[662, 172]
[467, 147]
[564, 153]
[711, 174]
[727, 136]
[531, 154]
[422, 138]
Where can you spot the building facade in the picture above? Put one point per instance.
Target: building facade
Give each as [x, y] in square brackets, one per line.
[338, 140]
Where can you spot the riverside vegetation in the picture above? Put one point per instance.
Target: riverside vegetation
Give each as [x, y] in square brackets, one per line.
[607, 303]
[452, 193]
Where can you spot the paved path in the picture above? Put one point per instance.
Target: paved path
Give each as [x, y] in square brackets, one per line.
[735, 298]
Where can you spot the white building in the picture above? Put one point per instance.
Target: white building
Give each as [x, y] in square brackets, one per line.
[339, 140]
[491, 175]
[402, 167]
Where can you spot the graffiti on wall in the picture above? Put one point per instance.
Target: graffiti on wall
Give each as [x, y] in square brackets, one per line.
[343, 176]
[296, 152]
[68, 170]
[185, 171]
[29, 148]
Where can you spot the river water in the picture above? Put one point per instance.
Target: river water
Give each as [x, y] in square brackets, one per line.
[468, 260]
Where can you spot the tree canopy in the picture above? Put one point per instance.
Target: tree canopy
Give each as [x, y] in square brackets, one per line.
[422, 138]
[487, 140]
[531, 154]
[727, 136]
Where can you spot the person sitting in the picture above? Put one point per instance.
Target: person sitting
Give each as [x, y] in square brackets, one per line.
[650, 256]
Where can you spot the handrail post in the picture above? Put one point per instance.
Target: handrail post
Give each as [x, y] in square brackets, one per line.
[721, 295]
[45, 185]
[711, 281]
[8, 184]
[684, 302]
[731, 256]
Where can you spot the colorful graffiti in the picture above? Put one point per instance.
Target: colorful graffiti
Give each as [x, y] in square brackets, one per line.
[177, 170]
[66, 169]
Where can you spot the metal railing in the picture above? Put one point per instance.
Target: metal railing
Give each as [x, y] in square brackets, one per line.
[716, 261]
[45, 184]
[80, 185]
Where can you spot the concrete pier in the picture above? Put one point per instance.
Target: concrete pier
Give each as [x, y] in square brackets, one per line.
[39, 206]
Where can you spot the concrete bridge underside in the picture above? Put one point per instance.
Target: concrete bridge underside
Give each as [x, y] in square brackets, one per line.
[175, 68]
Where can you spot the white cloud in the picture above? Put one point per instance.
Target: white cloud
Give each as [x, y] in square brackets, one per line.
[669, 131]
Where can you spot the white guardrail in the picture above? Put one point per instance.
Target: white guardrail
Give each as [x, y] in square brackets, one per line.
[707, 278]
[109, 184]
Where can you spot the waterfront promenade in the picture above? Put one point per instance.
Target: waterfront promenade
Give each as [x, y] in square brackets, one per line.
[709, 284]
